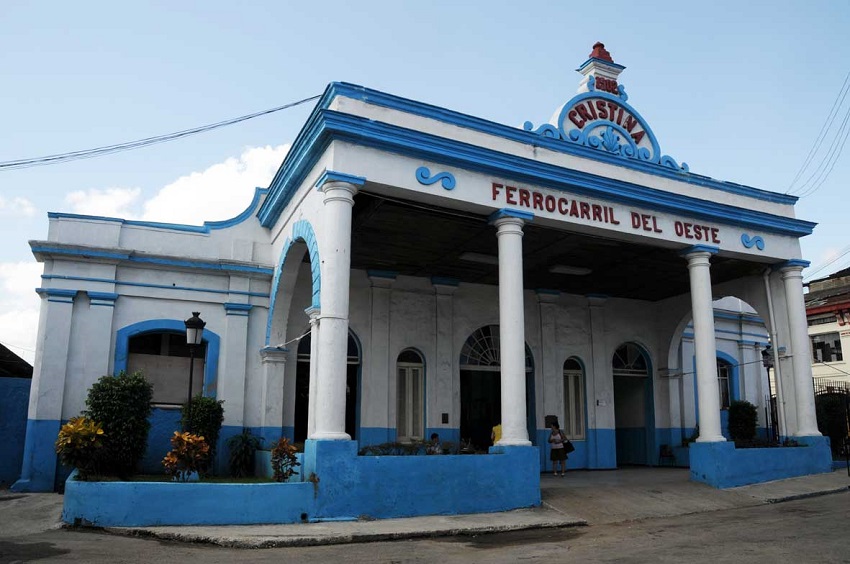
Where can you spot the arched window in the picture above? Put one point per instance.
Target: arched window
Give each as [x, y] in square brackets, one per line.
[163, 357]
[573, 425]
[724, 381]
[410, 394]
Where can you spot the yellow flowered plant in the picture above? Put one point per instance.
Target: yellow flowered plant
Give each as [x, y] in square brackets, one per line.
[78, 443]
[189, 454]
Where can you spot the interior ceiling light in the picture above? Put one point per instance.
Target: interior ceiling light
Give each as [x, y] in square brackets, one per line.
[479, 257]
[574, 270]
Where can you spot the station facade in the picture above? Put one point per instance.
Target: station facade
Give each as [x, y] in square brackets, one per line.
[413, 270]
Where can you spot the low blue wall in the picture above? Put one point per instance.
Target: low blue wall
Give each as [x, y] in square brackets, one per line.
[339, 485]
[723, 466]
[14, 402]
[137, 504]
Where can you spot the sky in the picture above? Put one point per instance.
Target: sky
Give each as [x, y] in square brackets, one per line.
[738, 90]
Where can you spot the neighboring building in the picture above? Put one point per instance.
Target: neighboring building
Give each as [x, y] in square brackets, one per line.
[15, 380]
[413, 270]
[828, 314]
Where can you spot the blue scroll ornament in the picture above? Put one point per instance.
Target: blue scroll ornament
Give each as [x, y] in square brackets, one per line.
[447, 179]
[749, 242]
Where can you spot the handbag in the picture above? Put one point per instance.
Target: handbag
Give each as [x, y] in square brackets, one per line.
[568, 446]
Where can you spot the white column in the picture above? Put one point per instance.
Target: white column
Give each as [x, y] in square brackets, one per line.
[274, 364]
[314, 314]
[441, 392]
[801, 355]
[378, 384]
[512, 330]
[333, 337]
[705, 348]
[234, 355]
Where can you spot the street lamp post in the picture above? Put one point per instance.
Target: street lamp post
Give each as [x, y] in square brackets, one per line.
[767, 362]
[194, 336]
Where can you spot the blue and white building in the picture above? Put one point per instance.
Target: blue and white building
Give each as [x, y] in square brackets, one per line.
[412, 269]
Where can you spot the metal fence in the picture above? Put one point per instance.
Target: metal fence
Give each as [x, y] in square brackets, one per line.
[832, 403]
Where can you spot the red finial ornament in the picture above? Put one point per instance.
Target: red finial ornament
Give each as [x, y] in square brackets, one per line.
[599, 52]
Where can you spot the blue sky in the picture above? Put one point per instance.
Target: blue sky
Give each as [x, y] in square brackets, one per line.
[738, 90]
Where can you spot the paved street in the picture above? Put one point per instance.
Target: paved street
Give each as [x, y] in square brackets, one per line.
[807, 530]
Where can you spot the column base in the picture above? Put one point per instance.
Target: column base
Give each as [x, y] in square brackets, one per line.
[714, 439]
[330, 436]
[513, 442]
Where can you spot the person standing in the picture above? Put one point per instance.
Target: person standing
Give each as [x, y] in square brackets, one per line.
[557, 452]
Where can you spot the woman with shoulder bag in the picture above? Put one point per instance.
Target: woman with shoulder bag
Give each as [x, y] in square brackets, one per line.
[558, 452]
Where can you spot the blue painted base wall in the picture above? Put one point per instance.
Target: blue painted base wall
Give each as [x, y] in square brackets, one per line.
[38, 468]
[723, 466]
[14, 402]
[339, 485]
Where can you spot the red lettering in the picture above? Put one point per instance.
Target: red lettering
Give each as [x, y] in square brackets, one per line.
[698, 232]
[523, 197]
[635, 220]
[688, 234]
[630, 123]
[613, 219]
[509, 195]
[603, 113]
[620, 117]
[597, 212]
[550, 203]
[574, 118]
[563, 206]
[582, 111]
[612, 111]
[714, 237]
[585, 210]
[646, 217]
[574, 209]
[592, 111]
[655, 225]
[678, 228]
[496, 187]
[537, 198]
[638, 136]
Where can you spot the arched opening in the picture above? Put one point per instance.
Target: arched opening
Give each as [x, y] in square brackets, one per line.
[574, 405]
[410, 396]
[481, 387]
[633, 404]
[163, 357]
[302, 388]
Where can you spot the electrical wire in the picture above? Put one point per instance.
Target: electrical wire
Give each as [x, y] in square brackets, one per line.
[844, 252]
[139, 143]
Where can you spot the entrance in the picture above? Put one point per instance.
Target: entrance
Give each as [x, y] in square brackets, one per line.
[302, 389]
[633, 410]
[481, 388]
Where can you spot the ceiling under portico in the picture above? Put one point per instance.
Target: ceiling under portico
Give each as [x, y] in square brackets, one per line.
[425, 241]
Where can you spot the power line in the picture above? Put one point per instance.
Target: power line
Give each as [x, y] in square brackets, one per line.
[130, 145]
[814, 271]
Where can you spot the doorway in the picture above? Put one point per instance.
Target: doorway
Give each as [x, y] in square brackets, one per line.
[633, 408]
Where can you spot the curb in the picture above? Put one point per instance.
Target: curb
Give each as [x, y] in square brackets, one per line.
[807, 495]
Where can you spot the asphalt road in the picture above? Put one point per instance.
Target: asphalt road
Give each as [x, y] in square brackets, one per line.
[809, 530]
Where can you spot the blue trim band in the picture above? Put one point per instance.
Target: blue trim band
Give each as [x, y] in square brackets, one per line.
[328, 125]
[102, 296]
[184, 263]
[332, 176]
[444, 281]
[601, 62]
[700, 249]
[795, 263]
[205, 228]
[507, 212]
[145, 285]
[237, 309]
[57, 292]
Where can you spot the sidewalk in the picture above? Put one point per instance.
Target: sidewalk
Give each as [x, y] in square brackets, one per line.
[580, 498]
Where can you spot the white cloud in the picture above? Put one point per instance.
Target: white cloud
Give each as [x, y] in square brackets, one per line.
[19, 306]
[222, 191]
[108, 202]
[17, 206]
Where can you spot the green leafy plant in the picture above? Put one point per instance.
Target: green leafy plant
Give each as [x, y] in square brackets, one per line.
[189, 454]
[207, 417]
[743, 421]
[122, 405]
[78, 444]
[284, 460]
[242, 448]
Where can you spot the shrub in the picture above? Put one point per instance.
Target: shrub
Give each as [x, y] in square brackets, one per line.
[242, 448]
[283, 460]
[207, 417]
[189, 454]
[743, 419]
[122, 405]
[78, 444]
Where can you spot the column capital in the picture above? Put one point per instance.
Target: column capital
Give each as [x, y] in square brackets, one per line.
[313, 313]
[696, 252]
[444, 286]
[57, 295]
[547, 296]
[511, 217]
[273, 355]
[791, 268]
[339, 186]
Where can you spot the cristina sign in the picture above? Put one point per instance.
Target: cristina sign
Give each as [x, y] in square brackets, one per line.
[602, 214]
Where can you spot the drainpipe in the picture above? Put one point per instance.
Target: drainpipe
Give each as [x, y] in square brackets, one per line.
[777, 374]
